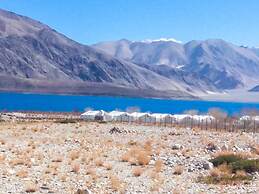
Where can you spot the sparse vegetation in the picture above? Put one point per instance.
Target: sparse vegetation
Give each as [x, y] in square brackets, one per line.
[231, 168]
[89, 154]
[137, 171]
[178, 170]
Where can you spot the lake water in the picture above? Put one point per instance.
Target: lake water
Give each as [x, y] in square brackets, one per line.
[37, 102]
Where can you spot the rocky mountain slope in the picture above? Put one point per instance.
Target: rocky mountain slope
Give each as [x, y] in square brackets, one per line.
[34, 57]
[211, 64]
[255, 89]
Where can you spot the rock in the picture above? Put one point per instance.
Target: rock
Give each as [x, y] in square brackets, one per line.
[224, 147]
[236, 148]
[176, 147]
[207, 165]
[212, 147]
[81, 191]
[115, 130]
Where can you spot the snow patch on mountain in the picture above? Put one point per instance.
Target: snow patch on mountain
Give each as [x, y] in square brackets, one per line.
[161, 40]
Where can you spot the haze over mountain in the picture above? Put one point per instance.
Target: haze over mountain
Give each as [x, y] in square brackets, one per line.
[211, 64]
[34, 57]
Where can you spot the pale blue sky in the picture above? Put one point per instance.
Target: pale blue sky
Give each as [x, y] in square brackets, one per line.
[90, 21]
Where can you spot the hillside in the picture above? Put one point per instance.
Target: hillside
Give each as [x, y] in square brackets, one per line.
[36, 58]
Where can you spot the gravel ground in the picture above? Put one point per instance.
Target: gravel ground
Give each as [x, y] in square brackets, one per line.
[49, 157]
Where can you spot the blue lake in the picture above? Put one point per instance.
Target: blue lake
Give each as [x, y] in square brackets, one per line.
[37, 102]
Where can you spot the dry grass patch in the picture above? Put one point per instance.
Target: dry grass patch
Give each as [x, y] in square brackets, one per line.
[107, 165]
[22, 173]
[143, 158]
[99, 162]
[137, 171]
[57, 158]
[74, 154]
[2, 158]
[75, 167]
[31, 187]
[178, 170]
[92, 172]
[159, 166]
[116, 183]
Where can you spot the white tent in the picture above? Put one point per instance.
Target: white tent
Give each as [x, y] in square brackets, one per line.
[142, 117]
[94, 115]
[163, 118]
[181, 117]
[202, 118]
[250, 118]
[119, 116]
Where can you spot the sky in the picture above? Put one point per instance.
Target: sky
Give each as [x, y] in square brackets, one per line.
[92, 21]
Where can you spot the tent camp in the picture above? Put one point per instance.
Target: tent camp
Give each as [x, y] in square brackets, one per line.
[119, 116]
[94, 115]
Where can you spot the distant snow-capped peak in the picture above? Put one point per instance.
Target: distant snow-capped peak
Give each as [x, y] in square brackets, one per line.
[161, 40]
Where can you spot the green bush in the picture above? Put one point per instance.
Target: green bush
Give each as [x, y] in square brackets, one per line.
[246, 165]
[225, 159]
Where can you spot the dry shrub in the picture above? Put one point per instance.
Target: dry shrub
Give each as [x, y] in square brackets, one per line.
[2, 142]
[157, 182]
[143, 158]
[116, 183]
[137, 171]
[63, 177]
[18, 161]
[224, 169]
[74, 154]
[241, 173]
[75, 167]
[108, 166]
[125, 157]
[215, 172]
[50, 170]
[57, 158]
[2, 157]
[31, 187]
[158, 165]
[178, 170]
[22, 173]
[92, 173]
[98, 162]
[136, 155]
[148, 147]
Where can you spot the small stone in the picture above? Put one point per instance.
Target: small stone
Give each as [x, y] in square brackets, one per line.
[207, 165]
[81, 191]
[176, 147]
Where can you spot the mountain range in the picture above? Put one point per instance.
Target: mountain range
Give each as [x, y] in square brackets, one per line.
[36, 58]
[210, 65]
